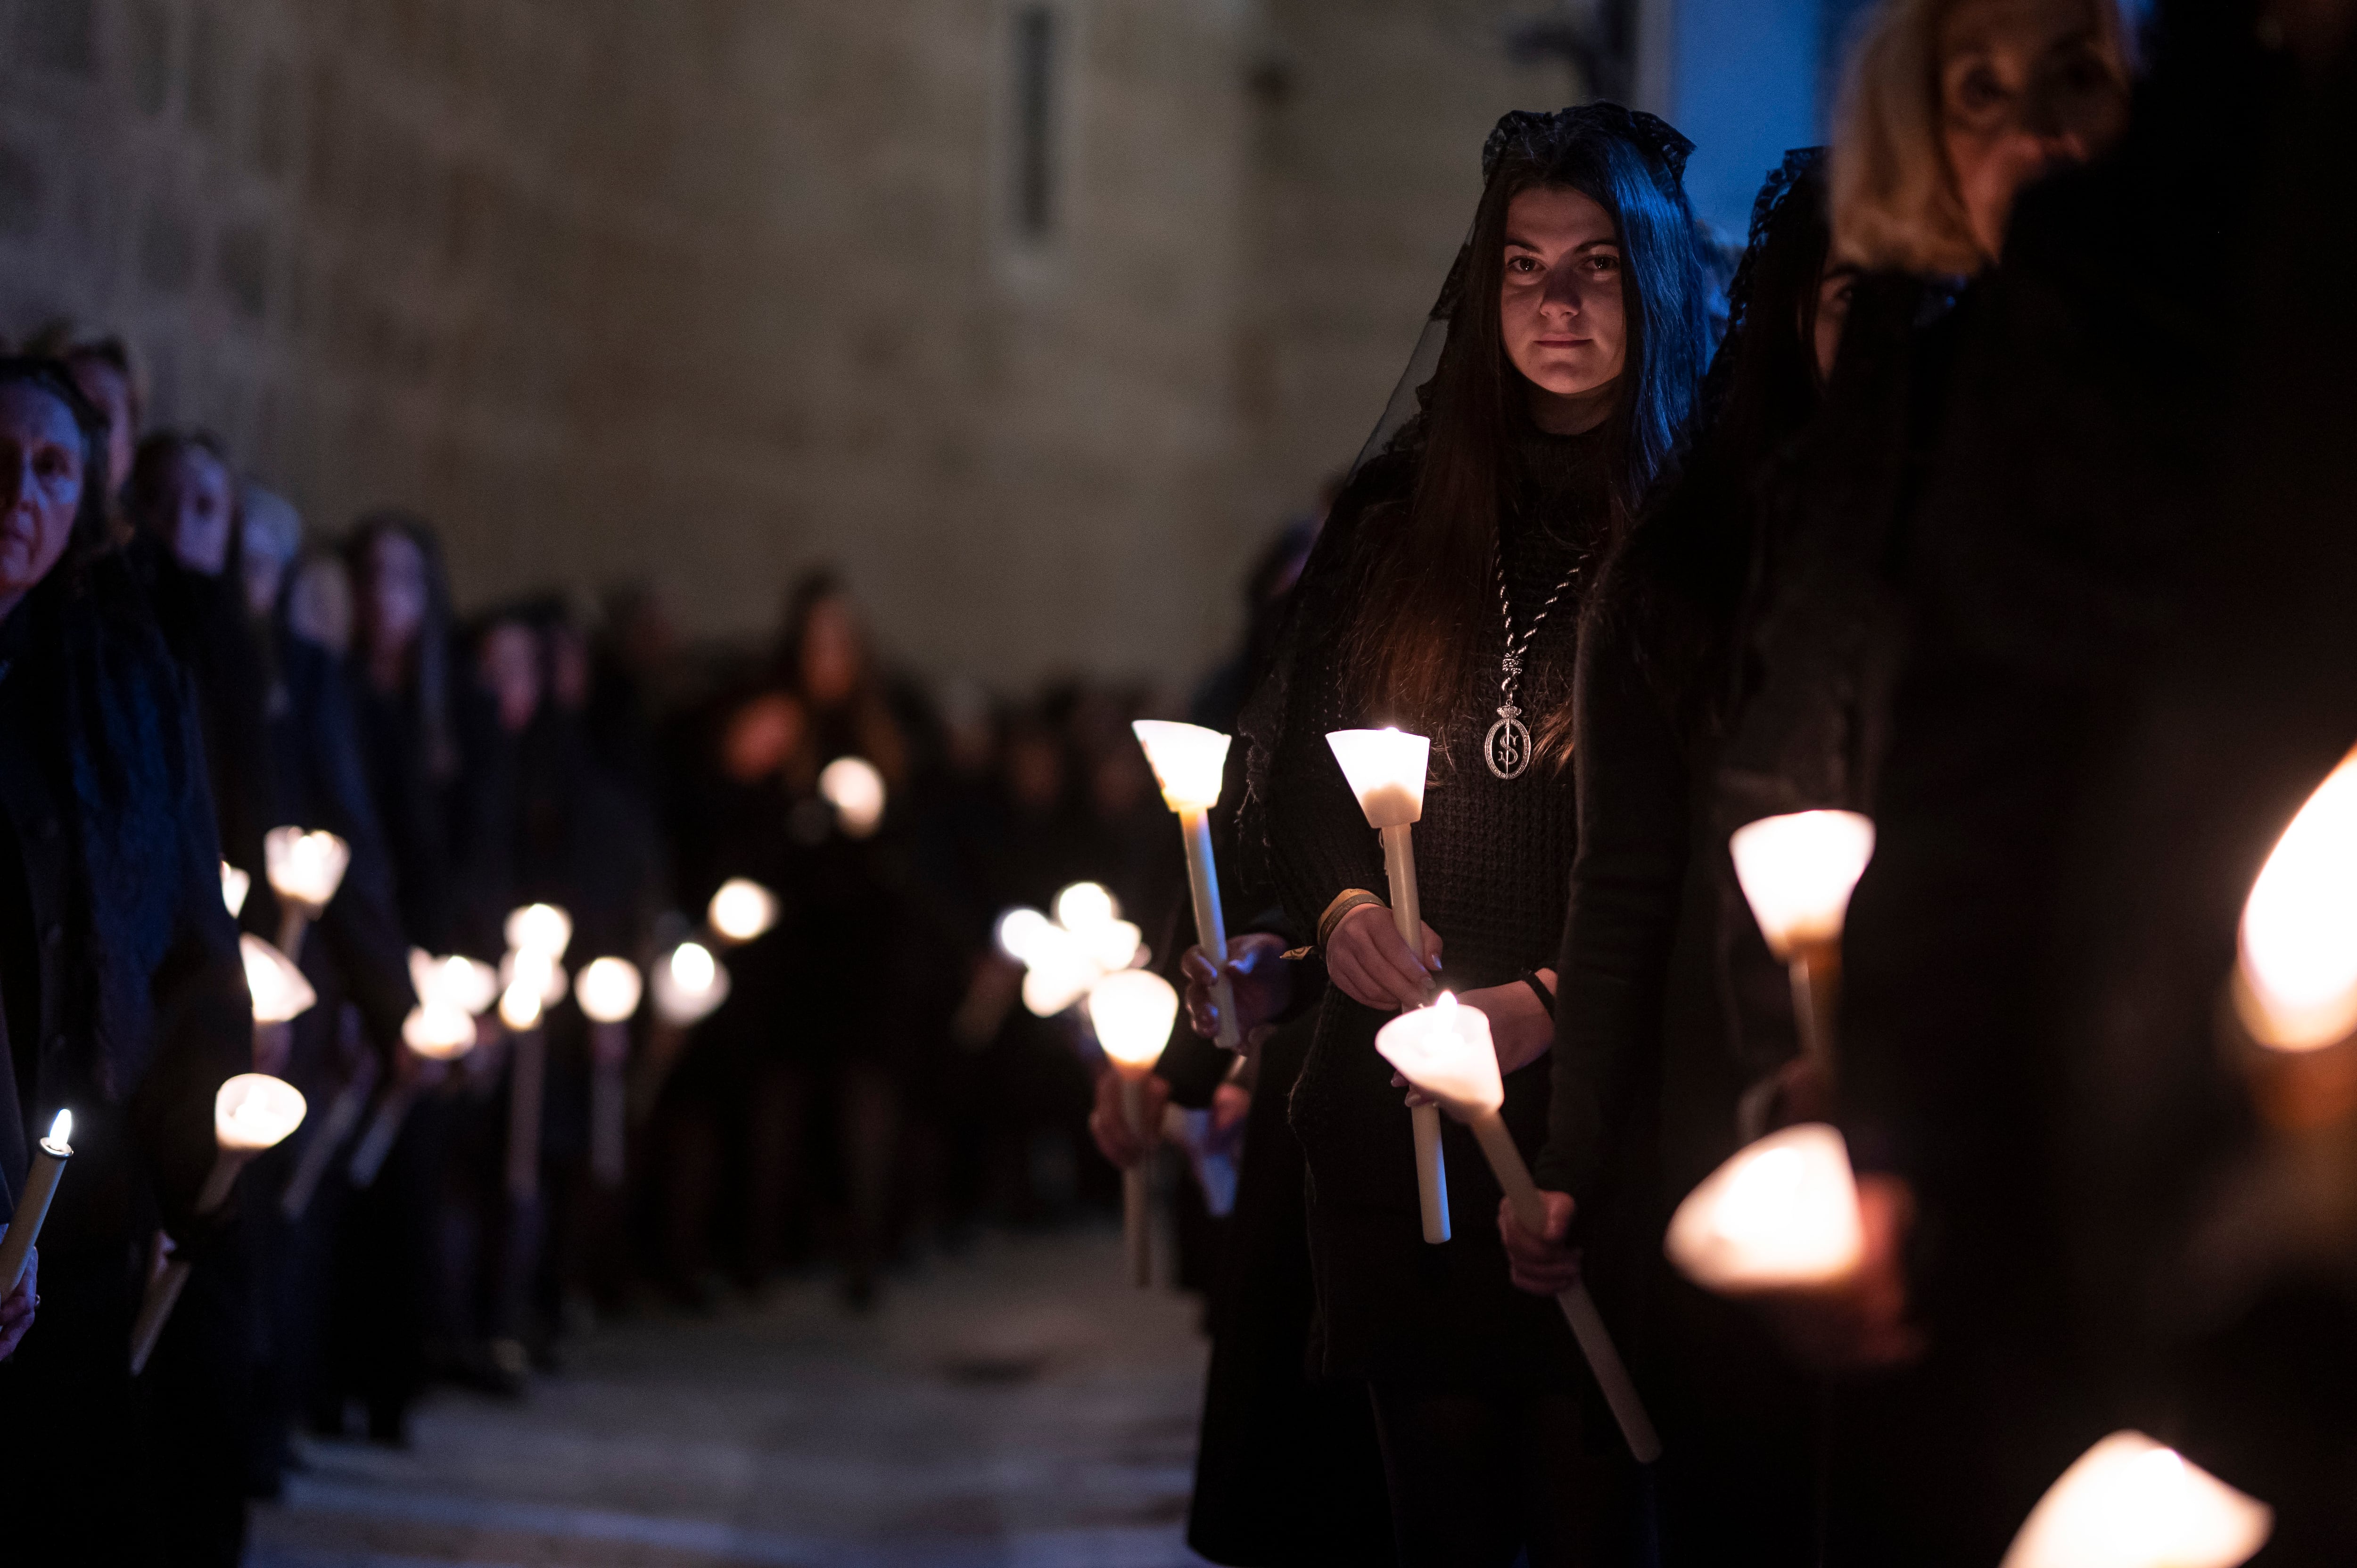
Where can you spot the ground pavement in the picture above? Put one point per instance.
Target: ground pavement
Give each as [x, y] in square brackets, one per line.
[1016, 1407]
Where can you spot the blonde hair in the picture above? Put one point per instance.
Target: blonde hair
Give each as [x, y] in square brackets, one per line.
[1894, 198]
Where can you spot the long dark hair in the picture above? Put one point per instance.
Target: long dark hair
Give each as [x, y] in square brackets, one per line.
[90, 538]
[1676, 587]
[1428, 597]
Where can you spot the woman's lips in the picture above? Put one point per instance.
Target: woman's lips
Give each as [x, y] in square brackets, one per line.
[1561, 342]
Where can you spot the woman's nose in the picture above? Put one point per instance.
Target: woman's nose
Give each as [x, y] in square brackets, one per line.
[1562, 291]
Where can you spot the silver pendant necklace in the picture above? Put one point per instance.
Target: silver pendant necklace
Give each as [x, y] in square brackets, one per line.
[1507, 747]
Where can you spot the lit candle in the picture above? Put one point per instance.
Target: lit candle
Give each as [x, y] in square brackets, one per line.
[609, 991]
[853, 787]
[1781, 1215]
[2297, 976]
[1798, 872]
[1131, 1012]
[541, 929]
[304, 870]
[50, 1157]
[741, 910]
[2128, 1502]
[438, 1030]
[235, 886]
[251, 1112]
[688, 984]
[1445, 1051]
[1087, 910]
[1385, 769]
[280, 995]
[1189, 762]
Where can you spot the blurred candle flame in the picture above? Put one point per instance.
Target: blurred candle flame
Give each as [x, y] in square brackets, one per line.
[2128, 1502]
[254, 1111]
[306, 868]
[1188, 761]
[608, 989]
[741, 909]
[1782, 1214]
[853, 787]
[1798, 872]
[1446, 1050]
[1131, 1012]
[279, 990]
[2299, 946]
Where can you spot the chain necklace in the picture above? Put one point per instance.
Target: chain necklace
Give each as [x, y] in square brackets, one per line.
[1507, 747]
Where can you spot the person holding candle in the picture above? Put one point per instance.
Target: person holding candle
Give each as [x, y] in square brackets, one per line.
[121, 986]
[1442, 597]
[2131, 660]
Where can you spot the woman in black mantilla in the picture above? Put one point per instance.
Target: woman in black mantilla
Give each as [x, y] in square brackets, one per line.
[1673, 1012]
[1443, 597]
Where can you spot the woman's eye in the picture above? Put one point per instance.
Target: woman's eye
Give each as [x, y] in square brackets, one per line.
[1523, 265]
[1979, 89]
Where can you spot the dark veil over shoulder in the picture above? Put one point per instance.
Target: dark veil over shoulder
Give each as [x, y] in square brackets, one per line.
[1382, 480]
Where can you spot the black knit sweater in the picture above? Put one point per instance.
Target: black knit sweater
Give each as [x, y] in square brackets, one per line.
[1493, 859]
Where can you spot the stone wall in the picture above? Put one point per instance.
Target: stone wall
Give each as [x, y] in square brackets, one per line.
[703, 290]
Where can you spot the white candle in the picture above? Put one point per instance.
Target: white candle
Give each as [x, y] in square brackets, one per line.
[50, 1157]
[1780, 1215]
[2128, 1502]
[252, 1112]
[741, 910]
[304, 870]
[1386, 768]
[1189, 763]
[1446, 1050]
[1797, 872]
[853, 787]
[609, 991]
[1132, 1012]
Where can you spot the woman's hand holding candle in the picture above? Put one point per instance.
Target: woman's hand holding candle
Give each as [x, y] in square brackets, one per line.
[1257, 973]
[1540, 1261]
[1367, 958]
[17, 1310]
[1120, 1143]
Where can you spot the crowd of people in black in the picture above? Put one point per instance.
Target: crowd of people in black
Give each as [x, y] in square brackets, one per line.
[1998, 496]
[849, 1079]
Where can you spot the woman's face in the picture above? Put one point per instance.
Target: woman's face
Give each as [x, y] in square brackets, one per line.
[1834, 287]
[830, 651]
[393, 601]
[1560, 309]
[40, 460]
[194, 513]
[109, 390]
[510, 670]
[2025, 85]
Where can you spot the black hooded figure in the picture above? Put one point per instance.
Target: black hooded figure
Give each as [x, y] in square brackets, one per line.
[124, 1001]
[1556, 374]
[1672, 1015]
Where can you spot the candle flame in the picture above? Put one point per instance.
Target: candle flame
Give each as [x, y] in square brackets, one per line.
[307, 868]
[741, 909]
[2128, 1502]
[62, 1131]
[279, 990]
[520, 1004]
[1188, 761]
[688, 983]
[1446, 1050]
[1084, 907]
[608, 989]
[853, 787]
[1131, 1012]
[541, 929]
[235, 886]
[1783, 1214]
[2298, 961]
[438, 1031]
[1798, 871]
[1385, 769]
[254, 1111]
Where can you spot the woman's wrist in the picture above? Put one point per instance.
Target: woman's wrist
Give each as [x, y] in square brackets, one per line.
[1344, 904]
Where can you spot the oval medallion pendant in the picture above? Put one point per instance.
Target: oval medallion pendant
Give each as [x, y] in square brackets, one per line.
[1508, 747]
